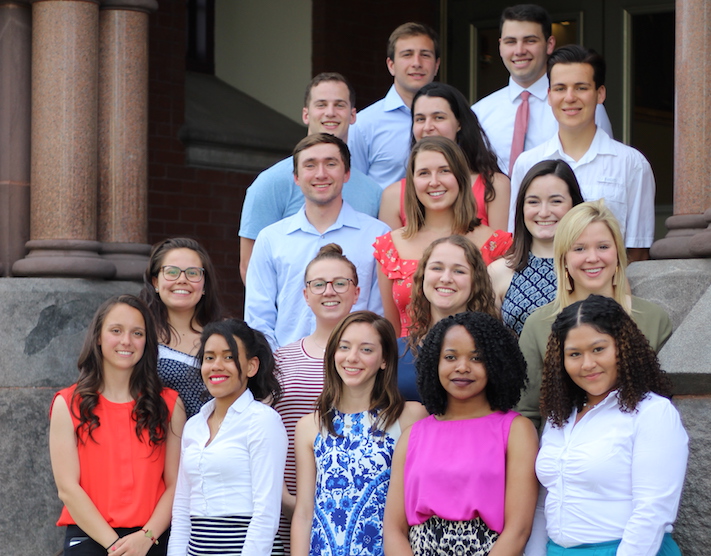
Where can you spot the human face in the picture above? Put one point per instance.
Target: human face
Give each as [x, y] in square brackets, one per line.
[546, 201]
[321, 174]
[592, 261]
[447, 282]
[573, 96]
[414, 65]
[220, 372]
[525, 51]
[590, 358]
[330, 110]
[461, 370]
[181, 294]
[123, 338]
[329, 305]
[435, 184]
[434, 116]
[359, 356]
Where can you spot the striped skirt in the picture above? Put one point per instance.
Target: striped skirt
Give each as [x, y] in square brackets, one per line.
[223, 536]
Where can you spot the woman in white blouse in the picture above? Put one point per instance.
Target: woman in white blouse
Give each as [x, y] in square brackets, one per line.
[613, 452]
[228, 496]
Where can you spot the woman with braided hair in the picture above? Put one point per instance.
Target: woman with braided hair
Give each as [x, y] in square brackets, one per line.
[613, 452]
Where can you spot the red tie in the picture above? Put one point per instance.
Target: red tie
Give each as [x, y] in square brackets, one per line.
[520, 127]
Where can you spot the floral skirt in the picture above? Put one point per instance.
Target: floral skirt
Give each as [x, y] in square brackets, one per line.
[439, 537]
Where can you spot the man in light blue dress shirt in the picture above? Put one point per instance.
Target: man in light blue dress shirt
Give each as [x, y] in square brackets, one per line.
[329, 107]
[380, 139]
[274, 302]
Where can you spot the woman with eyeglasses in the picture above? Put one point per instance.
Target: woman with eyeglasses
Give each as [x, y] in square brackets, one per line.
[180, 289]
[330, 290]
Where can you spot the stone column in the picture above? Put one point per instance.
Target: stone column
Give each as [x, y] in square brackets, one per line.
[15, 87]
[65, 36]
[690, 228]
[123, 134]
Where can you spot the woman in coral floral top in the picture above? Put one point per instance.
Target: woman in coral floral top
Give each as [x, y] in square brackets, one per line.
[438, 203]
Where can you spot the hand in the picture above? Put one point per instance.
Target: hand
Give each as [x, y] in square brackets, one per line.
[135, 544]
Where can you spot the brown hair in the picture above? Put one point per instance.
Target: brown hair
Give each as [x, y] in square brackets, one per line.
[412, 29]
[320, 139]
[325, 77]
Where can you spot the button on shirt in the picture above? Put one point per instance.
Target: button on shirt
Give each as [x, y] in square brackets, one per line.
[274, 300]
[497, 114]
[380, 139]
[609, 170]
[614, 475]
[239, 473]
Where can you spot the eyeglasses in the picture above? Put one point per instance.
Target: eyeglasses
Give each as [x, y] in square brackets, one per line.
[339, 285]
[192, 273]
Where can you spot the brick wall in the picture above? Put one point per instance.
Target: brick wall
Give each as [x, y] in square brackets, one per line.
[183, 201]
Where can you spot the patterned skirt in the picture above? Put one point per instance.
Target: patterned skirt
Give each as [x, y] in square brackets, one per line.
[439, 537]
[223, 536]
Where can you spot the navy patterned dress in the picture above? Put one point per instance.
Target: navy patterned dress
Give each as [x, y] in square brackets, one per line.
[352, 478]
[530, 289]
[181, 372]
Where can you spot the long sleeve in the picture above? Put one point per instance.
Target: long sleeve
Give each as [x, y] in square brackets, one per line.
[260, 306]
[180, 522]
[532, 342]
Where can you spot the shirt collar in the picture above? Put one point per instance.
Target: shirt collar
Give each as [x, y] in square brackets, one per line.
[347, 217]
[239, 405]
[539, 89]
[393, 101]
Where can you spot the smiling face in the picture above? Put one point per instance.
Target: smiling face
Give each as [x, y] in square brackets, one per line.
[122, 338]
[221, 372]
[447, 282]
[181, 294]
[359, 356]
[321, 174]
[414, 64]
[330, 306]
[590, 358]
[434, 116]
[436, 186]
[546, 201]
[461, 370]
[525, 51]
[330, 110]
[592, 261]
[573, 96]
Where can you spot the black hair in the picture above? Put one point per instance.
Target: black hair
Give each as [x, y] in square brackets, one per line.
[528, 12]
[576, 54]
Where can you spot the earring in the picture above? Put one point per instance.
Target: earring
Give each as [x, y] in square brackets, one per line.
[615, 278]
[568, 281]
[156, 290]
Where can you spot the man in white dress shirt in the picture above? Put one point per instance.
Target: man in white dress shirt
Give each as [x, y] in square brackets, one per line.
[525, 44]
[274, 302]
[605, 168]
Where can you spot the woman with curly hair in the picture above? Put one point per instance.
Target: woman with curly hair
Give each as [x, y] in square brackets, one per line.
[114, 439]
[440, 109]
[613, 452]
[589, 258]
[438, 203]
[525, 279]
[450, 278]
[344, 449]
[180, 289]
[228, 497]
[463, 479]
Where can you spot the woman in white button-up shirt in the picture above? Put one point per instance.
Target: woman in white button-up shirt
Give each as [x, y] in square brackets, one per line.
[228, 496]
[613, 452]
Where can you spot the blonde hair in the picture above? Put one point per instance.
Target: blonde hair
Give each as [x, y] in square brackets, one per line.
[570, 228]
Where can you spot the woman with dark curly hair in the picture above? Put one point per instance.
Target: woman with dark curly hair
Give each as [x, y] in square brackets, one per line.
[450, 278]
[180, 289]
[613, 452]
[114, 439]
[463, 480]
[228, 498]
[440, 109]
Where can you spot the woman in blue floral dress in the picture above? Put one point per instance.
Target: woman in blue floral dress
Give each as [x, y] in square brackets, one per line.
[344, 449]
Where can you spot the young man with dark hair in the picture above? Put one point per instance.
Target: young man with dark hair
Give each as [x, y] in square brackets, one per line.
[329, 107]
[605, 168]
[380, 140]
[525, 44]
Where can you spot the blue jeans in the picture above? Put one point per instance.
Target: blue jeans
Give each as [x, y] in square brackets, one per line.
[668, 548]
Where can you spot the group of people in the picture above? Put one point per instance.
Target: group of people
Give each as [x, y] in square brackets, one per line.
[480, 381]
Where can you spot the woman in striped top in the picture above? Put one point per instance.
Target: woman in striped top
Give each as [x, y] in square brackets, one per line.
[330, 289]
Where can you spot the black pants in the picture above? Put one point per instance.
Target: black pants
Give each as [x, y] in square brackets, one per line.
[78, 543]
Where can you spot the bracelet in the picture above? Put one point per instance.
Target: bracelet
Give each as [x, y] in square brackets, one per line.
[108, 548]
[149, 535]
